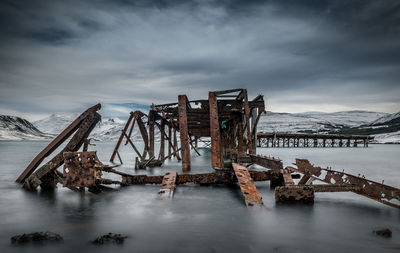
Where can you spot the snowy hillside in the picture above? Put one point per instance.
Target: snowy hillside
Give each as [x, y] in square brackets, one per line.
[393, 137]
[114, 117]
[55, 123]
[315, 121]
[15, 128]
[385, 119]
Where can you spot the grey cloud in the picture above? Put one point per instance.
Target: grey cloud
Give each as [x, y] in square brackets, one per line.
[60, 56]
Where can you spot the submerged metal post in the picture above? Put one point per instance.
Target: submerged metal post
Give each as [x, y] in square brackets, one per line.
[183, 130]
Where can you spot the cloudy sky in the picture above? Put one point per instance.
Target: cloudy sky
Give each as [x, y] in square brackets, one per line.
[320, 55]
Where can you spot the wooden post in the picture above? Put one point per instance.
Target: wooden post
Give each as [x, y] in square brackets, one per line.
[183, 130]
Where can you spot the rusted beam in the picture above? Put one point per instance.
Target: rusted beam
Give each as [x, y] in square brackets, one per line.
[162, 141]
[121, 137]
[184, 134]
[151, 134]
[247, 116]
[249, 190]
[133, 146]
[168, 185]
[294, 194]
[169, 140]
[267, 162]
[218, 177]
[64, 135]
[34, 180]
[368, 188]
[217, 161]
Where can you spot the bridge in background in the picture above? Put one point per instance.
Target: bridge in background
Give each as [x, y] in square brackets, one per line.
[311, 140]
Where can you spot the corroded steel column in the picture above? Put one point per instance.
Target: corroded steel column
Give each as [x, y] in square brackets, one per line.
[183, 130]
[151, 134]
[162, 142]
[247, 115]
[217, 161]
[170, 140]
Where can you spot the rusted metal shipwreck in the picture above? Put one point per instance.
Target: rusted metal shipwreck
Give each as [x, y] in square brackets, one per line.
[226, 122]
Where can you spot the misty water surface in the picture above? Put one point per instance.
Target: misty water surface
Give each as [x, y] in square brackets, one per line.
[202, 218]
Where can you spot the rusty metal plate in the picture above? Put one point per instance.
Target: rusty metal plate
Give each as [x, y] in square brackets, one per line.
[79, 169]
[168, 185]
[267, 162]
[249, 190]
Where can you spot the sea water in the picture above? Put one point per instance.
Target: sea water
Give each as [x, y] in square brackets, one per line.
[202, 218]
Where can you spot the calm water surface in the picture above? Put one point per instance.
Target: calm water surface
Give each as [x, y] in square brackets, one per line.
[202, 218]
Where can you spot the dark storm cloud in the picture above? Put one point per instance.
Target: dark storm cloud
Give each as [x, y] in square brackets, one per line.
[303, 55]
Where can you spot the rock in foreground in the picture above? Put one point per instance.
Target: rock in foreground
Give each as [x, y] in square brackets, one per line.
[36, 237]
[385, 232]
[110, 237]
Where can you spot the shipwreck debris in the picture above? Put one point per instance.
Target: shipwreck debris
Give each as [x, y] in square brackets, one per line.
[36, 237]
[46, 176]
[226, 122]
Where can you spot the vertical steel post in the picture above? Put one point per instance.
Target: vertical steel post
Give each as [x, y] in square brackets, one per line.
[217, 161]
[162, 141]
[247, 114]
[170, 140]
[151, 134]
[183, 130]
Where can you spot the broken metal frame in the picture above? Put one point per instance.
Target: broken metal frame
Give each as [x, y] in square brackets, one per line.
[47, 175]
[228, 117]
[230, 123]
[368, 188]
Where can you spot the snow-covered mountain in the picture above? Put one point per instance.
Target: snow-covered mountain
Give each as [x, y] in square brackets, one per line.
[385, 119]
[55, 123]
[314, 122]
[15, 128]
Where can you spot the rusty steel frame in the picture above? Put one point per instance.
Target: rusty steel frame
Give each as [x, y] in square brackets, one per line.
[46, 175]
[368, 188]
[228, 117]
[54, 144]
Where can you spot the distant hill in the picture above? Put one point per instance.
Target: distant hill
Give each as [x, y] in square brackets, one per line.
[315, 122]
[386, 124]
[15, 128]
[385, 129]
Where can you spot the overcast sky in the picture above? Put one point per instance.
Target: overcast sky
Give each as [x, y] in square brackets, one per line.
[63, 56]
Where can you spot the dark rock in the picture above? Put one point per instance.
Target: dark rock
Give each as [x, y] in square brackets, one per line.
[36, 237]
[110, 237]
[385, 232]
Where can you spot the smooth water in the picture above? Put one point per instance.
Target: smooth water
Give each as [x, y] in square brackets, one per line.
[202, 218]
